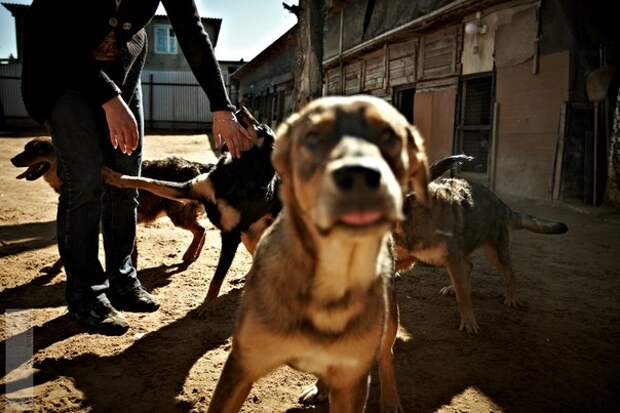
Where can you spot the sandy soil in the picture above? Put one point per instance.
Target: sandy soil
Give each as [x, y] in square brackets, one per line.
[559, 352]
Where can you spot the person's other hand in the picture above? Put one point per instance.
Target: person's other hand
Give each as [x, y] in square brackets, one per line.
[122, 125]
[226, 127]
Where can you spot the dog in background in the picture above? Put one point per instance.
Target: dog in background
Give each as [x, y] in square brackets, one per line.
[319, 295]
[238, 194]
[39, 158]
[463, 217]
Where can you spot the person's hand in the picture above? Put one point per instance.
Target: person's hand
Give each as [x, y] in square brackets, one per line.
[122, 125]
[226, 127]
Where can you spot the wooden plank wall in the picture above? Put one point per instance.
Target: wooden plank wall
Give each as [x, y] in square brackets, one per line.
[439, 54]
[432, 56]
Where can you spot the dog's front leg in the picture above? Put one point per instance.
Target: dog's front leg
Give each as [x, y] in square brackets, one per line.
[459, 270]
[232, 387]
[390, 400]
[351, 398]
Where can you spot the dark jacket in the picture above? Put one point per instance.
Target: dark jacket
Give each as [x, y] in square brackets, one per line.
[61, 35]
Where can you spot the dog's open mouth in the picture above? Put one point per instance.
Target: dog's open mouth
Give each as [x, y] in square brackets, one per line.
[361, 218]
[34, 171]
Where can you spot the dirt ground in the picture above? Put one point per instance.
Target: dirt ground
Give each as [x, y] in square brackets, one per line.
[559, 352]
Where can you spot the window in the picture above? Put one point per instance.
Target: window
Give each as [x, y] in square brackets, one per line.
[475, 121]
[404, 98]
[165, 39]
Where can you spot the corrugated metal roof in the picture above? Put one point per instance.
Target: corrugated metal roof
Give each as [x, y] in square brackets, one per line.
[259, 58]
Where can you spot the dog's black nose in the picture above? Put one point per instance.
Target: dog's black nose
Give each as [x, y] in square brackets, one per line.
[356, 176]
[15, 161]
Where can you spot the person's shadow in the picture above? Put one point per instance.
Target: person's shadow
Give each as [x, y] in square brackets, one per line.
[18, 238]
[150, 374]
[36, 294]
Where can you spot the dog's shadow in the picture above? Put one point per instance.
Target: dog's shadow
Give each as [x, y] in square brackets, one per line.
[150, 374]
[523, 359]
[15, 239]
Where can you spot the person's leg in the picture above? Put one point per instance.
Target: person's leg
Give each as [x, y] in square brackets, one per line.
[119, 225]
[77, 128]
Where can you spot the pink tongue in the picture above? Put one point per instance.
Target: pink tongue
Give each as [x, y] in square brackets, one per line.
[360, 218]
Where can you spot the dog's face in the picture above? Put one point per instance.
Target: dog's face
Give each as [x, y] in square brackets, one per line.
[261, 134]
[38, 156]
[345, 162]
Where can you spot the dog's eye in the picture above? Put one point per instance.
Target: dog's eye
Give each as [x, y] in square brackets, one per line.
[312, 140]
[389, 141]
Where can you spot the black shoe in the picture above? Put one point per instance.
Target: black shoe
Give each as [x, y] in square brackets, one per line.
[137, 300]
[100, 317]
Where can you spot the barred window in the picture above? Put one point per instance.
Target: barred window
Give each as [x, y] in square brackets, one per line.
[475, 121]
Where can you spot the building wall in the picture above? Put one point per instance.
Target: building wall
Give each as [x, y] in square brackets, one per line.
[529, 118]
[434, 112]
[266, 89]
[170, 62]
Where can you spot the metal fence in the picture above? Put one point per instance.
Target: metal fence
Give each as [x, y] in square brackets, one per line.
[171, 101]
[12, 110]
[174, 100]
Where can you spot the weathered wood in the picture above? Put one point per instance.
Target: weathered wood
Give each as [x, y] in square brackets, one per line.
[556, 185]
[438, 54]
[612, 192]
[309, 67]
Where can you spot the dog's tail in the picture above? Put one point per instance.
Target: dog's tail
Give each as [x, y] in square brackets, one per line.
[443, 165]
[519, 220]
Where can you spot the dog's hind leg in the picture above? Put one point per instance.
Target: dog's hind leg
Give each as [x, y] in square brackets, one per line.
[459, 270]
[230, 242]
[187, 218]
[390, 400]
[194, 249]
[499, 254]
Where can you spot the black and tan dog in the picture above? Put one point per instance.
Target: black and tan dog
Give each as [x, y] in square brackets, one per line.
[238, 194]
[318, 296]
[39, 158]
[463, 217]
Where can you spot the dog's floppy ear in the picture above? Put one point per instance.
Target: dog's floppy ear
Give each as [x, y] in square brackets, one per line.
[280, 158]
[418, 165]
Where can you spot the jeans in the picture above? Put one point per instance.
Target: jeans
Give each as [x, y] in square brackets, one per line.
[80, 135]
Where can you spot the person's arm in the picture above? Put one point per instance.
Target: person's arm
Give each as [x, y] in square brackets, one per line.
[198, 51]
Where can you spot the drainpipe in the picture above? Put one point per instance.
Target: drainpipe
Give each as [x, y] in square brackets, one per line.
[536, 60]
[340, 48]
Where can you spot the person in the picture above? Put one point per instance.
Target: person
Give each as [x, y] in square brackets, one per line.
[82, 62]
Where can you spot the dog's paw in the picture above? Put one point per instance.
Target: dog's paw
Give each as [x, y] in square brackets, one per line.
[237, 281]
[204, 311]
[392, 409]
[391, 404]
[512, 302]
[470, 325]
[448, 290]
[311, 395]
[189, 257]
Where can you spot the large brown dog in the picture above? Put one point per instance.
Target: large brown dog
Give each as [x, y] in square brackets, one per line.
[463, 217]
[318, 295]
[39, 158]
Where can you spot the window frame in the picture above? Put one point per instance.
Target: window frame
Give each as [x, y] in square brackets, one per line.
[168, 50]
[460, 127]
